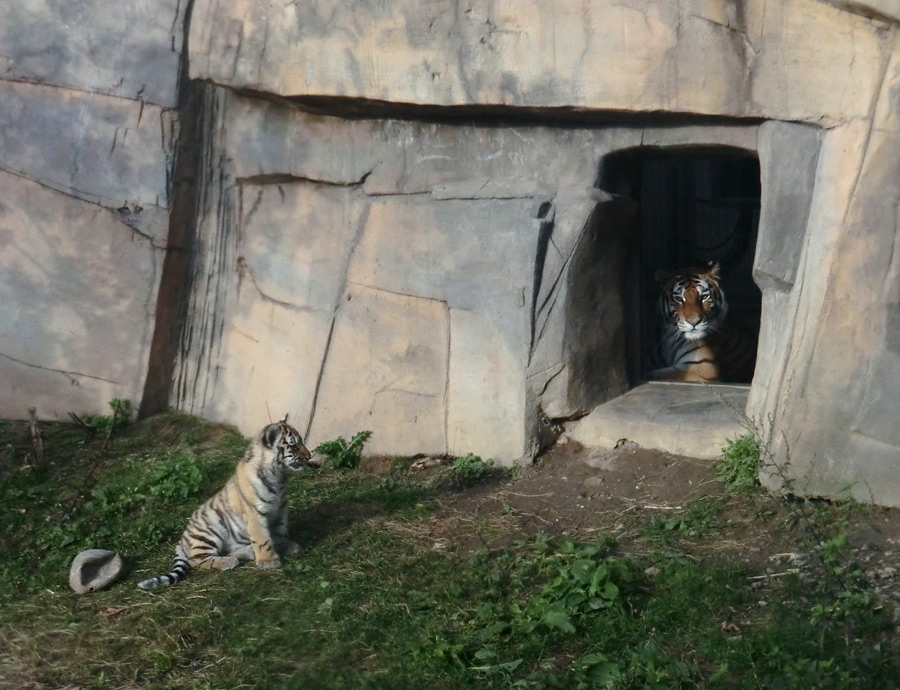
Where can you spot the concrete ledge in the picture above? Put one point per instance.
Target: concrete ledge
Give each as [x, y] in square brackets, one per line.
[681, 418]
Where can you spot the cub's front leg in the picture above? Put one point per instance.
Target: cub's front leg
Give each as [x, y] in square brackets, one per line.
[285, 546]
[263, 543]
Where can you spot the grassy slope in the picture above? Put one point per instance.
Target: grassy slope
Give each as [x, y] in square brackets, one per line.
[368, 603]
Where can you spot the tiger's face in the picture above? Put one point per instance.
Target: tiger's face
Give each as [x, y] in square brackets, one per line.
[285, 440]
[693, 301]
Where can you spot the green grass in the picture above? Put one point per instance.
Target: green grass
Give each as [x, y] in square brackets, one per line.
[368, 603]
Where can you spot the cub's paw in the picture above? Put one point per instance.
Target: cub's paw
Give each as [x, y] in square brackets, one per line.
[271, 564]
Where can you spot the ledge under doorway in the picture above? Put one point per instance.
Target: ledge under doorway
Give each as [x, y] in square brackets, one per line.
[679, 418]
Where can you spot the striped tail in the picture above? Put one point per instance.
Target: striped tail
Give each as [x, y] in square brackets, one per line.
[180, 569]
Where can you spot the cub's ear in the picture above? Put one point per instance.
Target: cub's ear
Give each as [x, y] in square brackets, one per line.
[713, 271]
[270, 435]
[284, 419]
[661, 275]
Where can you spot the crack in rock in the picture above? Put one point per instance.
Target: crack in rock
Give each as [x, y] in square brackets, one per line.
[71, 375]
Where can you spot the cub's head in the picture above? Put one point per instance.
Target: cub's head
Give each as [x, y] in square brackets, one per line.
[285, 441]
[692, 300]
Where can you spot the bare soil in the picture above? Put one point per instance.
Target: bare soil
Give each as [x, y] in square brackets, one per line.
[580, 492]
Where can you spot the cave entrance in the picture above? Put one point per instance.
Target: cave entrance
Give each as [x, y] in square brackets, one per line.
[694, 206]
[697, 206]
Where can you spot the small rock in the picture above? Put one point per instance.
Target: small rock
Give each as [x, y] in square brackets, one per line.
[95, 569]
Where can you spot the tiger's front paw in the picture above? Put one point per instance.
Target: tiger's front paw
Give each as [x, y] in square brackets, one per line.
[271, 564]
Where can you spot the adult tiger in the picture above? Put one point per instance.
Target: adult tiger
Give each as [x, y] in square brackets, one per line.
[248, 517]
[695, 342]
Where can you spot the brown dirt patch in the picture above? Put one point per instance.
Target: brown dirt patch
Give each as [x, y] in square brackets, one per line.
[580, 492]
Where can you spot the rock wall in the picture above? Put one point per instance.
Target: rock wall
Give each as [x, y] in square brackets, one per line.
[381, 215]
[87, 130]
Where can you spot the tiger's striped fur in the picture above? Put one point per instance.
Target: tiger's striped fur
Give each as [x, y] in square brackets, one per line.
[695, 342]
[248, 517]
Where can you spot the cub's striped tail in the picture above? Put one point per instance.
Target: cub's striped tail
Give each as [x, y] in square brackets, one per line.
[180, 569]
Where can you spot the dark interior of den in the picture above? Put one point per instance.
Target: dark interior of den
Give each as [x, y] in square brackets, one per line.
[696, 207]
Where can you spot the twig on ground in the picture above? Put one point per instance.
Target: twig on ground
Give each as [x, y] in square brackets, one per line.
[88, 429]
[112, 426]
[37, 443]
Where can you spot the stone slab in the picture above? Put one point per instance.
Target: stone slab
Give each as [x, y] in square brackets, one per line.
[386, 372]
[679, 418]
[476, 255]
[281, 276]
[794, 60]
[76, 303]
[879, 10]
[788, 154]
[109, 151]
[132, 52]
[408, 157]
[486, 411]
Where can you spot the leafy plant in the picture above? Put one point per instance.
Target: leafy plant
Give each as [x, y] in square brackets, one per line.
[343, 455]
[697, 519]
[470, 469]
[178, 477]
[740, 464]
[584, 580]
[106, 425]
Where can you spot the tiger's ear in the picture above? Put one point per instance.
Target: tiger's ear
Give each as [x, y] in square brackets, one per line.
[661, 275]
[284, 419]
[713, 272]
[270, 435]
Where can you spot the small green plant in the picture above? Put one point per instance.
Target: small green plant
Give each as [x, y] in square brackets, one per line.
[740, 464]
[697, 519]
[106, 425]
[178, 477]
[470, 469]
[343, 455]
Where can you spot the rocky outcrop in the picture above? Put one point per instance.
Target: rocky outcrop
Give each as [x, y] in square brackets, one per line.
[87, 133]
[388, 216]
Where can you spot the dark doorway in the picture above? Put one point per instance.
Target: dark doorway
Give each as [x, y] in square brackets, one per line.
[697, 206]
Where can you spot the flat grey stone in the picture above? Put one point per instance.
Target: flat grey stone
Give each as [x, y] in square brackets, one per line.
[95, 569]
[680, 418]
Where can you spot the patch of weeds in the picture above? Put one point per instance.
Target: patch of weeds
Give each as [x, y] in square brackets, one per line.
[106, 425]
[470, 470]
[343, 455]
[740, 464]
[699, 518]
[179, 476]
[839, 635]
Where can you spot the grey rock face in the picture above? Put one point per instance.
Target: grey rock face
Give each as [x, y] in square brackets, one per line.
[95, 569]
[87, 136]
[131, 51]
[446, 285]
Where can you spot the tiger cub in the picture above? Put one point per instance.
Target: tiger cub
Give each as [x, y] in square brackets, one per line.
[248, 517]
[695, 342]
